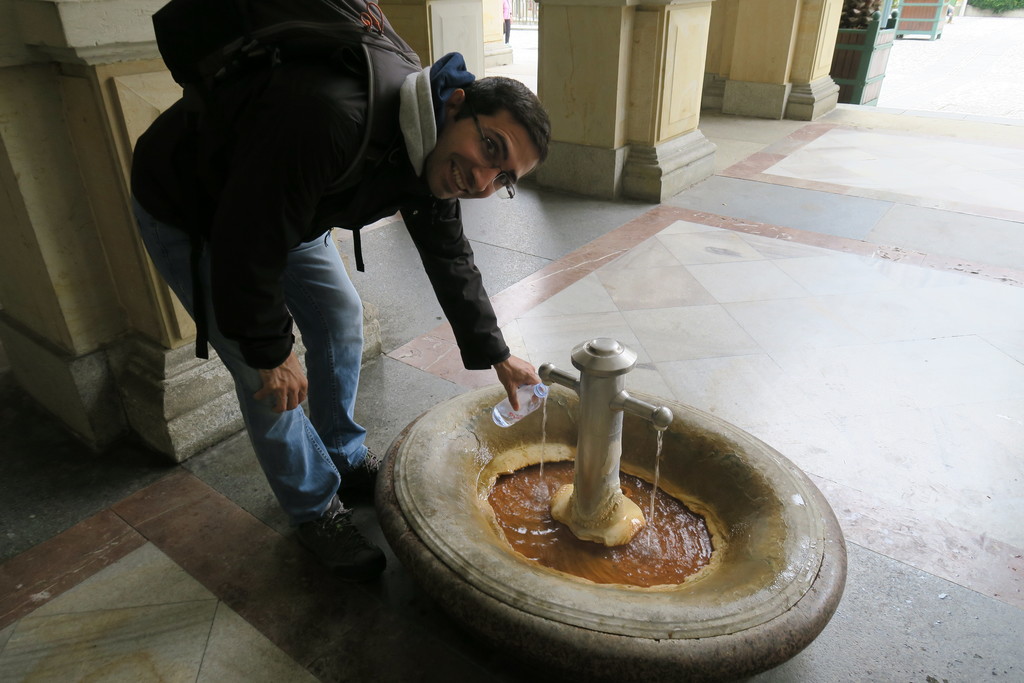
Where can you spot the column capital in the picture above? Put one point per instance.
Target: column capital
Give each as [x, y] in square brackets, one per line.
[88, 31]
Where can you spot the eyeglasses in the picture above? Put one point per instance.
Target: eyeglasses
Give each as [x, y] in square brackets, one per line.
[504, 179]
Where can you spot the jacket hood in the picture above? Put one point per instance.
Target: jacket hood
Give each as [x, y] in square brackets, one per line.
[423, 96]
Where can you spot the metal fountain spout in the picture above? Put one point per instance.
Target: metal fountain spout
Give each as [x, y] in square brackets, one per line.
[593, 506]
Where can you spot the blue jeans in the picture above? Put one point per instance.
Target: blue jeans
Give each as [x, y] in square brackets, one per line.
[303, 458]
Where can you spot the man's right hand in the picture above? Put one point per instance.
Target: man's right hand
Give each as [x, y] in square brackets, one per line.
[286, 384]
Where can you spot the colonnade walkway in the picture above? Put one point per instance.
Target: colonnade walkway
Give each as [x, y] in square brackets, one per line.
[849, 290]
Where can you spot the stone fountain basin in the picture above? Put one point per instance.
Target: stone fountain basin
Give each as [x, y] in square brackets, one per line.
[775, 579]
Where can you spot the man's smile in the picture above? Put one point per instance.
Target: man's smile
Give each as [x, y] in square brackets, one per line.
[458, 181]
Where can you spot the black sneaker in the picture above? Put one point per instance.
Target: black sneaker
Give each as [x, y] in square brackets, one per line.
[358, 482]
[336, 542]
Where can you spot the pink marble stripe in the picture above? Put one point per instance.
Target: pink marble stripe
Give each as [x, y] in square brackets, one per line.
[40, 574]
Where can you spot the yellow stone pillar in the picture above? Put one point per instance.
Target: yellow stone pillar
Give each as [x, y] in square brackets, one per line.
[721, 40]
[814, 92]
[771, 58]
[759, 74]
[622, 85]
[90, 329]
[496, 52]
[436, 27]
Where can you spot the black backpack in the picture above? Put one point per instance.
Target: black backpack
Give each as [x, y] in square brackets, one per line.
[207, 42]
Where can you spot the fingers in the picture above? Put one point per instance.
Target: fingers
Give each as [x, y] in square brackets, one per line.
[513, 373]
[281, 399]
[285, 386]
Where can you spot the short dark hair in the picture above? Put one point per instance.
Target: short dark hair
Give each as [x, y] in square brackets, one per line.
[489, 95]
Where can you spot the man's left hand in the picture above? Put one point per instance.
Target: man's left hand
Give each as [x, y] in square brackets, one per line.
[514, 373]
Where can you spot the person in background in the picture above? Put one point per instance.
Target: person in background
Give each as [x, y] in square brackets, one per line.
[506, 16]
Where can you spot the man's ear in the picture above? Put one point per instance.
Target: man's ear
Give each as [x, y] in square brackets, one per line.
[454, 103]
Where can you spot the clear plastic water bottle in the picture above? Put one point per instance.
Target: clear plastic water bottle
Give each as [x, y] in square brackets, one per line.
[531, 396]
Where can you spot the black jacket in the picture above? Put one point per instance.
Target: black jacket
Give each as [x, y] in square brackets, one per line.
[256, 182]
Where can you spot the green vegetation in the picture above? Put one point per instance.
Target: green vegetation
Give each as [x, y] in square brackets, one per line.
[998, 6]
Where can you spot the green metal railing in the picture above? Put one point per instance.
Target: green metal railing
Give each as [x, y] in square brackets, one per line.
[525, 12]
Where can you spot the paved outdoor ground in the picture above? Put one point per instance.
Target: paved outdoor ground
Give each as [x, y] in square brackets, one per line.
[976, 67]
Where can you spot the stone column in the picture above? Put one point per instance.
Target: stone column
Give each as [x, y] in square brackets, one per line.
[721, 42]
[622, 84]
[496, 52]
[814, 92]
[762, 57]
[90, 329]
[436, 27]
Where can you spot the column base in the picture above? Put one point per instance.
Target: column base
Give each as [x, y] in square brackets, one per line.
[712, 94]
[497, 54]
[582, 169]
[656, 173]
[80, 391]
[760, 100]
[812, 100]
[181, 405]
[177, 403]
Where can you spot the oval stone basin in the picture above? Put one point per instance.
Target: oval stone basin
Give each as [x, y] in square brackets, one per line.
[775, 578]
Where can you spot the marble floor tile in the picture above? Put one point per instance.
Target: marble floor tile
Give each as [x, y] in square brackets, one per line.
[837, 274]
[142, 578]
[157, 642]
[238, 652]
[648, 254]
[807, 323]
[684, 227]
[977, 306]
[893, 315]
[815, 444]
[749, 391]
[551, 339]
[911, 276]
[30, 579]
[747, 281]
[960, 235]
[649, 379]
[719, 246]
[784, 248]
[730, 152]
[911, 165]
[790, 202]
[885, 378]
[685, 333]
[716, 125]
[644, 288]
[1010, 342]
[913, 463]
[586, 295]
[514, 338]
[279, 588]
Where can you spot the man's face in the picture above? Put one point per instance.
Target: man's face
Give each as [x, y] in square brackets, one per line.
[463, 165]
